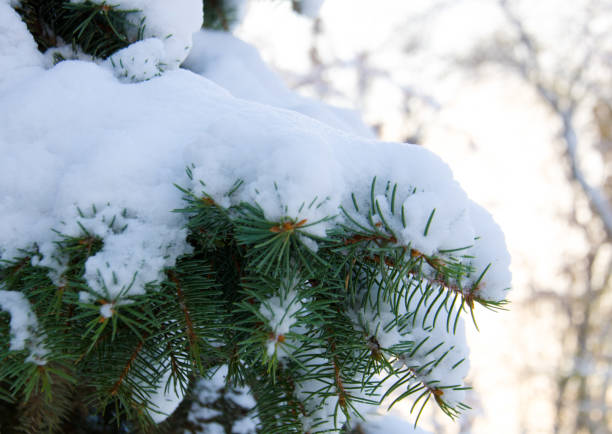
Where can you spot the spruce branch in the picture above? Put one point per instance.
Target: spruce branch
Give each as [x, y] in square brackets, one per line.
[307, 330]
[99, 29]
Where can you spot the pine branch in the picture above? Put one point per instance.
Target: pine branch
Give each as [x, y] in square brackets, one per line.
[300, 327]
[98, 29]
[126, 369]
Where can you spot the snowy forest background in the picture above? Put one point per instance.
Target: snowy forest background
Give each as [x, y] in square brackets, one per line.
[517, 96]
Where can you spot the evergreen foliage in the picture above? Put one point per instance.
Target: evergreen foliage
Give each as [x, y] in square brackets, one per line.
[97, 29]
[292, 316]
[101, 29]
[212, 311]
[218, 14]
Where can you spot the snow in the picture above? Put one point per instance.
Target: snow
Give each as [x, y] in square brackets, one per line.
[208, 391]
[419, 208]
[139, 61]
[496, 281]
[439, 366]
[323, 412]
[244, 426]
[172, 29]
[88, 148]
[237, 67]
[106, 135]
[165, 399]
[23, 326]
[280, 312]
[106, 310]
[19, 56]
[214, 428]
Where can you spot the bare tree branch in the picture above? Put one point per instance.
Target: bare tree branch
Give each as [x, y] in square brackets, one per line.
[530, 71]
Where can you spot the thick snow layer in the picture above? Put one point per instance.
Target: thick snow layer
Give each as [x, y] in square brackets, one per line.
[19, 56]
[490, 249]
[119, 148]
[237, 67]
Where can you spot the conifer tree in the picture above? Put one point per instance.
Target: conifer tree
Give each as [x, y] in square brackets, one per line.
[254, 306]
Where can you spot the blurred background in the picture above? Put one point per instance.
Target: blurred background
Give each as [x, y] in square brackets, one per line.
[516, 96]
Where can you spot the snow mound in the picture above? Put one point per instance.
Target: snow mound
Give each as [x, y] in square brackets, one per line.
[81, 149]
[19, 55]
[238, 67]
[88, 149]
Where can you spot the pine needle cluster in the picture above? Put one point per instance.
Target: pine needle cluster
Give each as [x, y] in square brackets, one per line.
[101, 28]
[98, 29]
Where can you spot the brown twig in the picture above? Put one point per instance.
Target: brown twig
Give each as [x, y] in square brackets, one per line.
[127, 367]
[191, 335]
